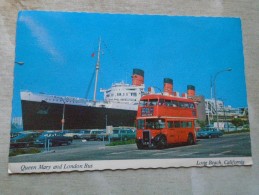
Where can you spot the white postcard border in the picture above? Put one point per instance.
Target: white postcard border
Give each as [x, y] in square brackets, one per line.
[68, 166]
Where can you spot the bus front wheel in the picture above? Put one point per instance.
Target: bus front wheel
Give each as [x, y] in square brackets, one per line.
[140, 146]
[162, 143]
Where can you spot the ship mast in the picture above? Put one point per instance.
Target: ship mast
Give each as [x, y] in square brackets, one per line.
[97, 69]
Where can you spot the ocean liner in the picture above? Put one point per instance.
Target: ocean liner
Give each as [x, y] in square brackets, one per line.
[51, 112]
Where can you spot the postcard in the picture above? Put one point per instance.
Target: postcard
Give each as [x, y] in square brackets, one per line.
[118, 91]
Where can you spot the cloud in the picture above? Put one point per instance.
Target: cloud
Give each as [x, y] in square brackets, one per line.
[43, 37]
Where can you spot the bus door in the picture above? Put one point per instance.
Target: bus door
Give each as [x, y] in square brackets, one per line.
[185, 129]
[173, 133]
[177, 126]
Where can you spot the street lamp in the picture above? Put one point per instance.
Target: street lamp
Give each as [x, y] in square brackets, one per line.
[63, 115]
[214, 90]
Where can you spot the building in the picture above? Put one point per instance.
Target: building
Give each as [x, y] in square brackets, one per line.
[16, 123]
[225, 113]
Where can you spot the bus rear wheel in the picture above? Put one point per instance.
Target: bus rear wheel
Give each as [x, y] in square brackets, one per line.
[190, 140]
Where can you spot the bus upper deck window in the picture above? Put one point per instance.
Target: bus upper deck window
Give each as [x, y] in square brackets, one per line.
[181, 104]
[143, 103]
[186, 105]
[153, 102]
[168, 103]
[191, 105]
[161, 102]
[175, 103]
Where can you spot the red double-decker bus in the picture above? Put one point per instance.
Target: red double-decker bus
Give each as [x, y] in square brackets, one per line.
[163, 120]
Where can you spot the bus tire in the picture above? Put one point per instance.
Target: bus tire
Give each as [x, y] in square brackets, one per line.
[162, 143]
[190, 140]
[140, 146]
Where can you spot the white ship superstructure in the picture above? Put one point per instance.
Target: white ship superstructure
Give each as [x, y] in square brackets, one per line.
[123, 96]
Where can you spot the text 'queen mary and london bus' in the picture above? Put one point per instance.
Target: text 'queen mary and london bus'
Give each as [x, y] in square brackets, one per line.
[164, 119]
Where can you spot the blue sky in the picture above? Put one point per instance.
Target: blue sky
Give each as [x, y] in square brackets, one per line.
[56, 49]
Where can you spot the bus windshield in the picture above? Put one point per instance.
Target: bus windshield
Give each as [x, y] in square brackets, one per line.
[141, 124]
[155, 123]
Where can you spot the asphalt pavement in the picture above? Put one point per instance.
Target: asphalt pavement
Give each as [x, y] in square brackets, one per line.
[233, 145]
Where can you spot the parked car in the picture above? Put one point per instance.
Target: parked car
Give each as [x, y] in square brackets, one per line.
[75, 134]
[246, 127]
[55, 139]
[92, 134]
[122, 134]
[12, 135]
[23, 139]
[102, 136]
[209, 133]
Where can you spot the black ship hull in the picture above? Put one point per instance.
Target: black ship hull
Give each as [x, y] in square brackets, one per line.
[48, 116]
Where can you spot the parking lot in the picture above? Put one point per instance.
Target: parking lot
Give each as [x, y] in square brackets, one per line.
[234, 145]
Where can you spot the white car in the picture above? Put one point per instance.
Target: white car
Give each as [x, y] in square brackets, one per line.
[74, 134]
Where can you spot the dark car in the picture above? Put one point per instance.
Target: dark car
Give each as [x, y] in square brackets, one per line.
[54, 139]
[23, 139]
[209, 133]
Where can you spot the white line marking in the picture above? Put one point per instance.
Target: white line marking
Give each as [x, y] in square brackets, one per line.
[190, 146]
[119, 152]
[144, 151]
[220, 153]
[162, 153]
[227, 146]
[188, 154]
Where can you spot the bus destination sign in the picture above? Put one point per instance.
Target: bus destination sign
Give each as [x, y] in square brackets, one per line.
[147, 111]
